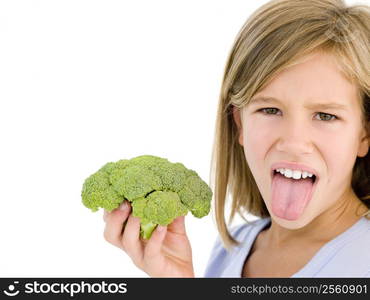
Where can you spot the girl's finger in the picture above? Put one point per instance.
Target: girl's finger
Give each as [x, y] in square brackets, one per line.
[177, 226]
[114, 223]
[154, 245]
[131, 240]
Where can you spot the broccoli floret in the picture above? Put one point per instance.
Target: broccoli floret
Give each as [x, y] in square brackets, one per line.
[157, 208]
[97, 191]
[159, 191]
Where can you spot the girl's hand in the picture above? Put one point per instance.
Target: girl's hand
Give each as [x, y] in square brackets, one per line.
[166, 254]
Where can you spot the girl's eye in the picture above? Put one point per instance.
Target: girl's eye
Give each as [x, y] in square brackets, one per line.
[323, 116]
[327, 117]
[269, 110]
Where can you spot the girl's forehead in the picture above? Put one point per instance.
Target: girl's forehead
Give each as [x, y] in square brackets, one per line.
[316, 69]
[316, 79]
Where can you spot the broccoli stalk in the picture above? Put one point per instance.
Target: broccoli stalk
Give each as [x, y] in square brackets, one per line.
[146, 229]
[159, 191]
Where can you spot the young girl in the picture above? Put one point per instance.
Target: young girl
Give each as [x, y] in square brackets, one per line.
[292, 141]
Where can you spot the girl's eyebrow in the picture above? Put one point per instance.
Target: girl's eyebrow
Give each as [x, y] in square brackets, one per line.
[323, 105]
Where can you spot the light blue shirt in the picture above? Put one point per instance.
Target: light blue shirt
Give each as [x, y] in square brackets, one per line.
[347, 255]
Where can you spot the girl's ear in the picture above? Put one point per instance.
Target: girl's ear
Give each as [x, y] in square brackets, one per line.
[364, 143]
[237, 119]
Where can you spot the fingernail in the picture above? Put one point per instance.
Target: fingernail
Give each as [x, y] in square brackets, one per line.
[161, 228]
[123, 205]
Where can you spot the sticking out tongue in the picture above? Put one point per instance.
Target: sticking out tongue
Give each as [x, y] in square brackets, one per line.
[290, 196]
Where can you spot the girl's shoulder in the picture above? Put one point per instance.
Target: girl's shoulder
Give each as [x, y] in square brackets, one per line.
[244, 234]
[241, 232]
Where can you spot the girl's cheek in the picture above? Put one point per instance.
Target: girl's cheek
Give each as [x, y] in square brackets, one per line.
[261, 131]
[257, 142]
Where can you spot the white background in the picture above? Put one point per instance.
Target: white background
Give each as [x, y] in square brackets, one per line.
[87, 82]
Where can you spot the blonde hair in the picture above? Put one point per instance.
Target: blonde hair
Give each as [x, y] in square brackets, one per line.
[278, 35]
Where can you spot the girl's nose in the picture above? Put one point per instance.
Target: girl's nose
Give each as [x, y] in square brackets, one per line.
[295, 138]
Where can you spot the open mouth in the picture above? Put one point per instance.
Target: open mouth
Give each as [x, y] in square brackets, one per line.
[313, 178]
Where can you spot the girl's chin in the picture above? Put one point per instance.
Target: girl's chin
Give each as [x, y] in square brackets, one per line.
[297, 223]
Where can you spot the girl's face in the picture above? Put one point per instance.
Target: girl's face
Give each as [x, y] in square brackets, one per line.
[295, 128]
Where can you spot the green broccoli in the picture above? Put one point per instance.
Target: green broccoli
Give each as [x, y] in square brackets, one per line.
[159, 191]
